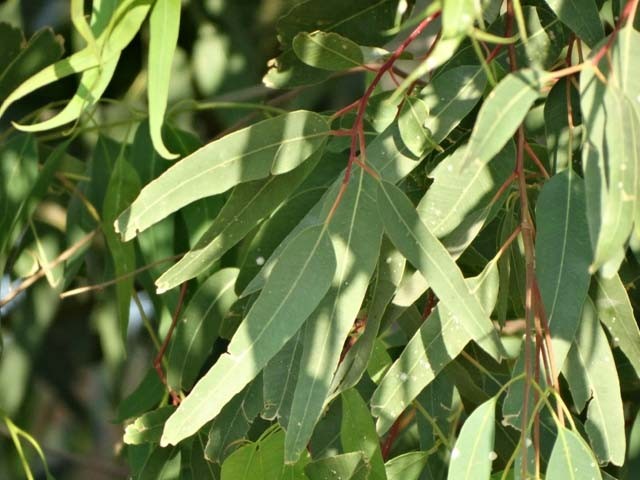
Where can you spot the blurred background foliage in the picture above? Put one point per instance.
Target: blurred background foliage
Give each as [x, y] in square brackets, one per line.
[63, 371]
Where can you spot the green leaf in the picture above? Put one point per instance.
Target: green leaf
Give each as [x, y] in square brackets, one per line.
[407, 466]
[263, 459]
[571, 458]
[162, 464]
[450, 96]
[458, 17]
[233, 422]
[582, 17]
[459, 201]
[356, 233]
[411, 122]
[164, 24]
[194, 464]
[347, 466]
[146, 396]
[358, 433]
[616, 313]
[148, 427]
[198, 330]
[471, 456]
[422, 249]
[273, 146]
[562, 257]
[247, 205]
[561, 139]
[328, 51]
[633, 452]
[500, 115]
[297, 284]
[440, 338]
[591, 373]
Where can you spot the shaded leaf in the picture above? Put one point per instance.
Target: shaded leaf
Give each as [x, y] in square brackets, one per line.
[161, 464]
[580, 16]
[571, 458]
[411, 123]
[299, 281]
[146, 396]
[407, 466]
[347, 466]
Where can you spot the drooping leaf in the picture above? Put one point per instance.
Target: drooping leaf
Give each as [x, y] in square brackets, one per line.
[471, 455]
[196, 332]
[272, 146]
[580, 16]
[146, 396]
[328, 51]
[356, 233]
[247, 205]
[632, 462]
[500, 115]
[616, 313]
[457, 17]
[571, 458]
[299, 281]
[164, 23]
[233, 422]
[194, 465]
[438, 341]
[161, 464]
[591, 373]
[358, 433]
[562, 257]
[421, 248]
[562, 139]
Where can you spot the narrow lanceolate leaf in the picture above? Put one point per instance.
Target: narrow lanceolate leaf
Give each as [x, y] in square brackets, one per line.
[450, 96]
[616, 313]
[458, 16]
[458, 202]
[273, 146]
[581, 16]
[161, 464]
[164, 24]
[247, 205]
[358, 434]
[472, 454]
[562, 257]
[438, 341]
[356, 233]
[562, 138]
[327, 50]
[500, 114]
[421, 248]
[233, 422]
[297, 284]
[591, 373]
[279, 378]
[407, 466]
[624, 58]
[571, 458]
[411, 122]
[198, 328]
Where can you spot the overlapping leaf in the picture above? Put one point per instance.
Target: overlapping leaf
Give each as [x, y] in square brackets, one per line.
[571, 458]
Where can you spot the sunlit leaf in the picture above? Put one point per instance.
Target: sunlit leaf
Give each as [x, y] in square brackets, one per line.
[148, 427]
[299, 281]
[328, 51]
[411, 123]
[407, 466]
[571, 458]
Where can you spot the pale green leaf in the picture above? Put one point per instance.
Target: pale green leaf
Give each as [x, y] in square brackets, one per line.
[500, 115]
[561, 139]
[411, 123]
[471, 456]
[164, 24]
[247, 205]
[407, 466]
[297, 284]
[148, 427]
[591, 373]
[616, 313]
[358, 433]
[197, 328]
[328, 51]
[421, 248]
[458, 17]
[356, 233]
[582, 17]
[273, 146]
[440, 338]
[571, 458]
